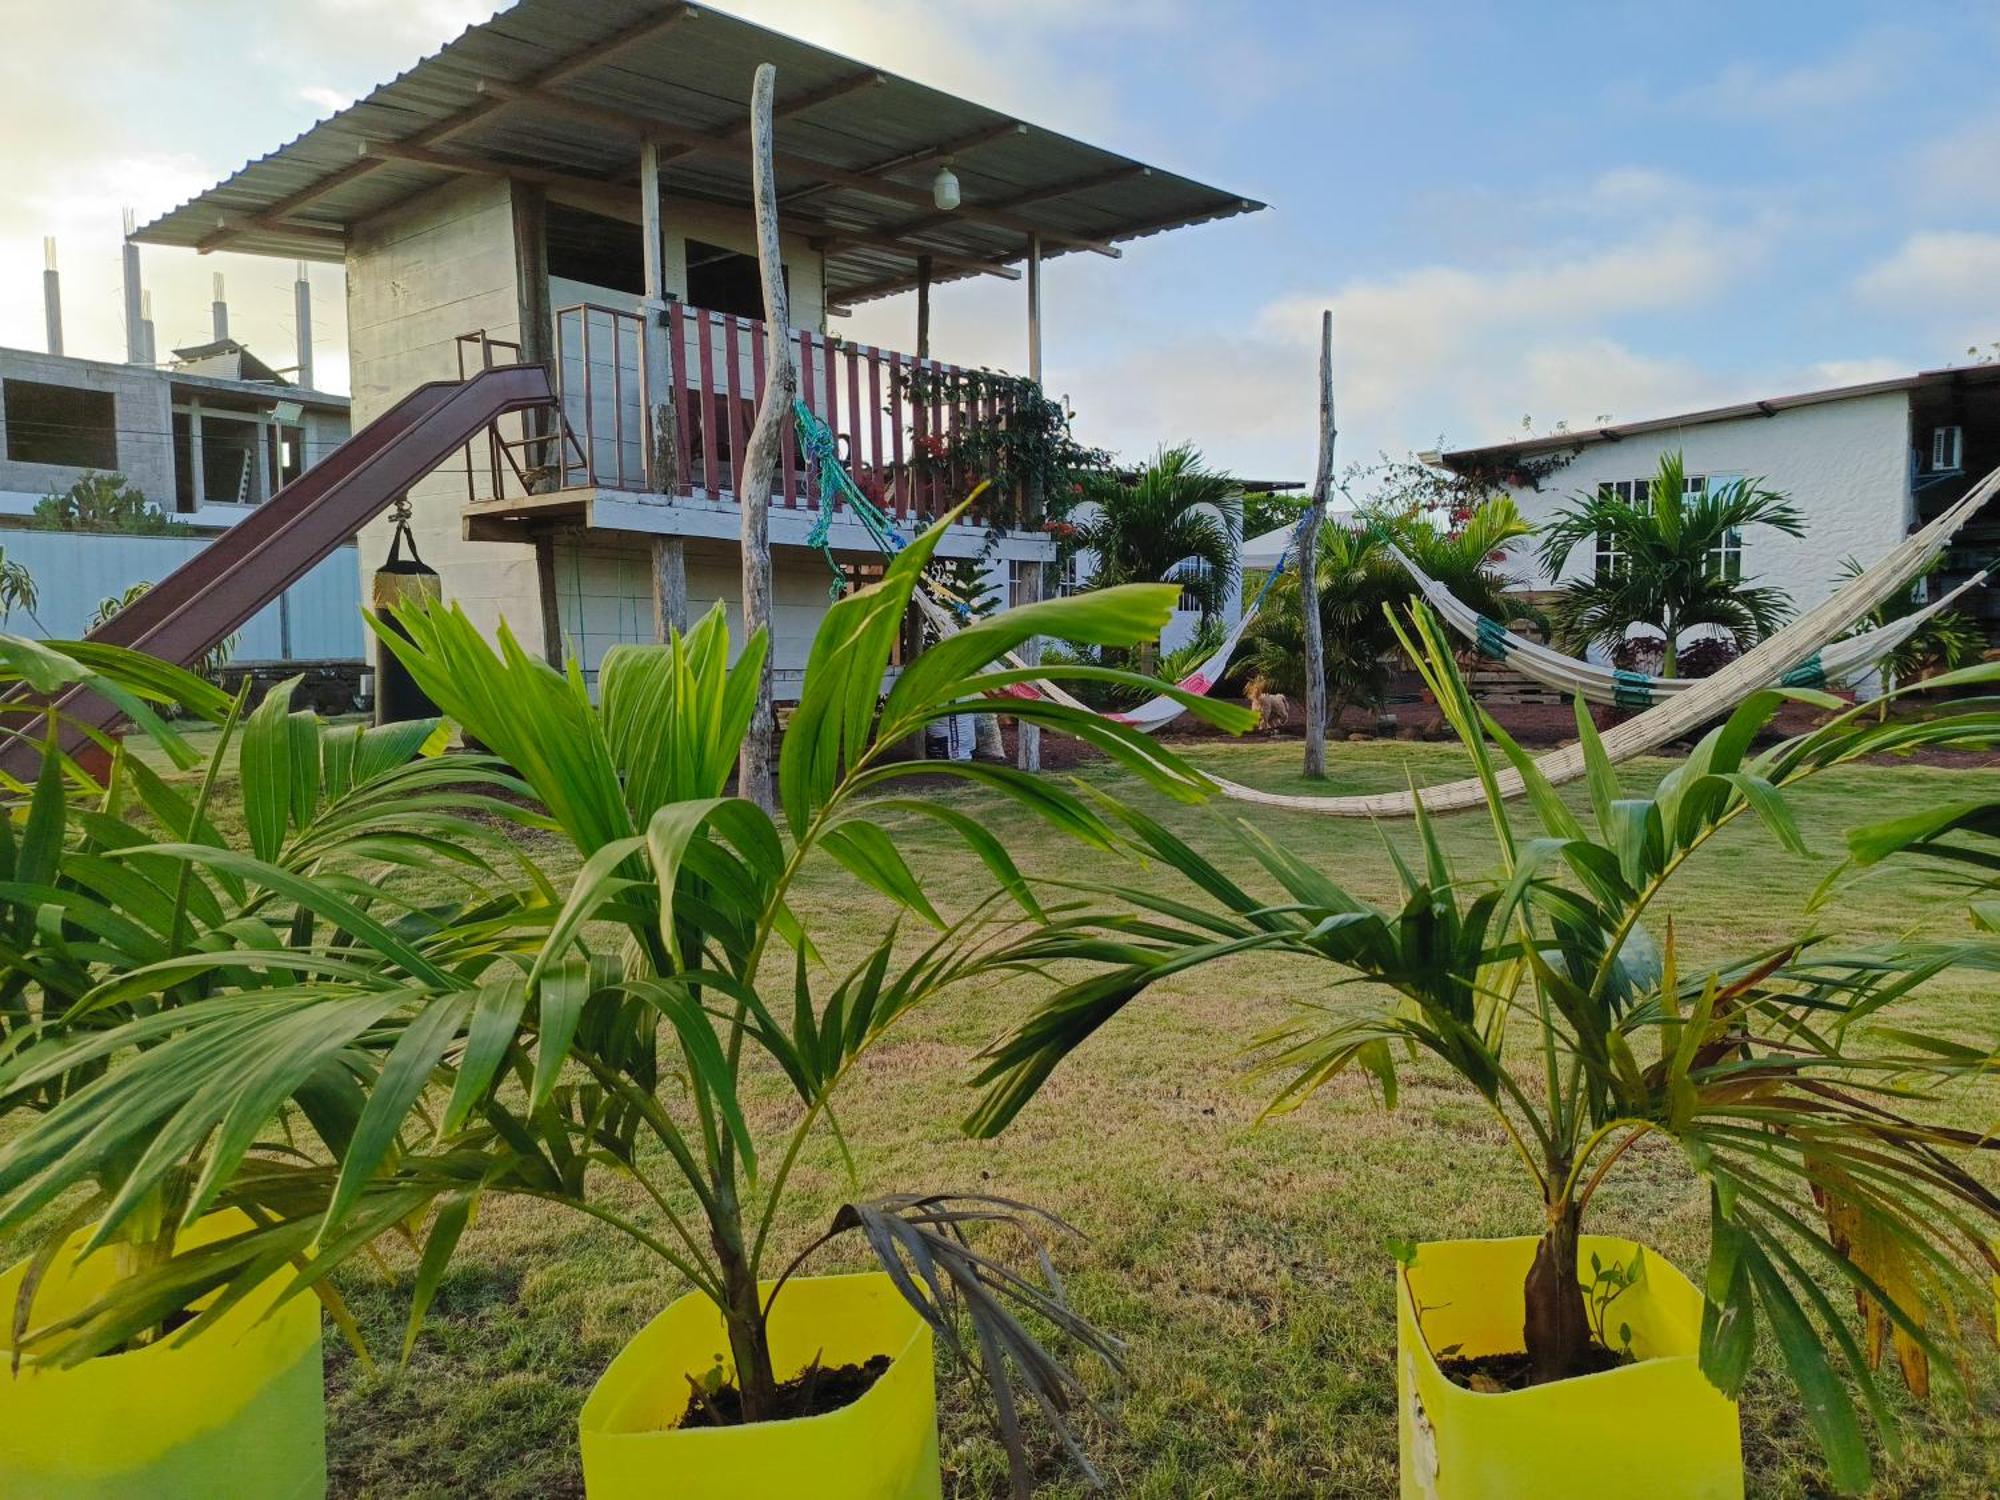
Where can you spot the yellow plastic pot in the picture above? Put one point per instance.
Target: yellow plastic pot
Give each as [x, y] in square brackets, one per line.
[882, 1447]
[238, 1409]
[1652, 1430]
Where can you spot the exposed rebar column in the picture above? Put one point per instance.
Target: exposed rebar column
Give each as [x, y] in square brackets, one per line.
[219, 310]
[135, 333]
[51, 294]
[146, 351]
[302, 315]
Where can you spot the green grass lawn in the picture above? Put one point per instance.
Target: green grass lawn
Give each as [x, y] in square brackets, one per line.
[1244, 1263]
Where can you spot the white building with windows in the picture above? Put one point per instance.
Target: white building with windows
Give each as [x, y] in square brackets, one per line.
[1866, 464]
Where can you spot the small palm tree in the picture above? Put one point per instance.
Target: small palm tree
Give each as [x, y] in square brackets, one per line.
[1942, 643]
[17, 588]
[1669, 561]
[1358, 579]
[1178, 520]
[1790, 1076]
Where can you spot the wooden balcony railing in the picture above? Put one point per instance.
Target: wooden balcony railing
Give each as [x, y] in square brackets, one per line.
[895, 418]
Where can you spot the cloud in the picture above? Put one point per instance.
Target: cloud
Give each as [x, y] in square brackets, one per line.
[1871, 65]
[1944, 276]
[326, 100]
[1962, 169]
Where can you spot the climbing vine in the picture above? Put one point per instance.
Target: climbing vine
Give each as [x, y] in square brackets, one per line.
[1008, 431]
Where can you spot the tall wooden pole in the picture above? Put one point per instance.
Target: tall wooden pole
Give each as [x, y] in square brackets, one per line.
[1027, 736]
[1309, 561]
[923, 307]
[663, 463]
[764, 453]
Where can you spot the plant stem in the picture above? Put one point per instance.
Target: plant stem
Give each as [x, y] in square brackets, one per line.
[1556, 1328]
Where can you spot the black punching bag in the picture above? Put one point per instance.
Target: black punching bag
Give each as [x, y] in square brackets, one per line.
[401, 580]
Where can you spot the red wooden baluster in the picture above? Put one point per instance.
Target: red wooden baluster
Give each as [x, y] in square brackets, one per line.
[677, 360]
[704, 327]
[732, 394]
[899, 474]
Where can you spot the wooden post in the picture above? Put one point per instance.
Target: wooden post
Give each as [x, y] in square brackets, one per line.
[551, 599]
[1309, 563]
[1028, 737]
[923, 307]
[663, 459]
[754, 772]
[1035, 308]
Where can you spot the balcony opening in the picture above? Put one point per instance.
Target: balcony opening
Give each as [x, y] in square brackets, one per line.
[60, 424]
[596, 252]
[725, 281]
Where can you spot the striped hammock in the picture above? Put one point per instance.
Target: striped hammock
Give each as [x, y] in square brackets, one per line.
[1839, 662]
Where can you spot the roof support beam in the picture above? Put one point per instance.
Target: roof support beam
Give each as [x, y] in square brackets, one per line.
[567, 68]
[840, 88]
[876, 186]
[943, 150]
[1120, 173]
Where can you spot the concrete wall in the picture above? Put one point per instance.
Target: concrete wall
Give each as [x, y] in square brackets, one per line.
[604, 594]
[417, 277]
[1845, 464]
[141, 413]
[320, 615]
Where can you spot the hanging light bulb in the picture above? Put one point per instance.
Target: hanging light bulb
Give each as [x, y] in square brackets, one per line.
[944, 189]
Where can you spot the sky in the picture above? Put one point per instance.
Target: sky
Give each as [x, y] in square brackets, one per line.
[1519, 213]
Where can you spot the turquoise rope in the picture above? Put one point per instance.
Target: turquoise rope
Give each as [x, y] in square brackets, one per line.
[832, 484]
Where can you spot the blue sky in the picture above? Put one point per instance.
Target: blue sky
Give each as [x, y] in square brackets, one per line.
[1539, 211]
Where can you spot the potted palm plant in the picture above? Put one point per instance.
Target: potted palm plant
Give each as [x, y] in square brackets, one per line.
[213, 1399]
[587, 1043]
[1546, 1364]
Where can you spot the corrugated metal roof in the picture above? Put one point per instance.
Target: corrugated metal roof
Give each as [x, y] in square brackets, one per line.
[1949, 375]
[690, 70]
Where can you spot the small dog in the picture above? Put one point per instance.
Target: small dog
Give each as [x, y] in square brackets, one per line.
[1274, 710]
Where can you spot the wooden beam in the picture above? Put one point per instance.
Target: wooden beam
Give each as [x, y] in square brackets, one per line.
[923, 307]
[840, 88]
[1308, 563]
[621, 195]
[876, 186]
[825, 237]
[1096, 180]
[561, 71]
[317, 234]
[764, 454]
[1035, 309]
[923, 156]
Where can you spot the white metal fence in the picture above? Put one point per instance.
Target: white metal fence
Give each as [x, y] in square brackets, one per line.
[317, 619]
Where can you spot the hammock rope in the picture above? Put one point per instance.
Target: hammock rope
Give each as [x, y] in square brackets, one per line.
[833, 485]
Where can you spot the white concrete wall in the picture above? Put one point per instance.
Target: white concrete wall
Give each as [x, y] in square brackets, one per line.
[417, 277]
[320, 615]
[1845, 464]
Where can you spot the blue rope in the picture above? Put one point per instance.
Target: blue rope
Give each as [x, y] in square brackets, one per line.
[1284, 557]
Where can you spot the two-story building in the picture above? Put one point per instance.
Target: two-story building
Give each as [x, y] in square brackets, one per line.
[571, 185]
[1866, 464]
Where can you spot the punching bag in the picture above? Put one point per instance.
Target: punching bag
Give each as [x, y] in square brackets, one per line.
[401, 580]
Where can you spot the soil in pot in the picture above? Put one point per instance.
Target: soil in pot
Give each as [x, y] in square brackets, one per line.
[813, 1392]
[1514, 1372]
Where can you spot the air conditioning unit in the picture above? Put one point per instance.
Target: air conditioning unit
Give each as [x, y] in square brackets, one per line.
[1947, 449]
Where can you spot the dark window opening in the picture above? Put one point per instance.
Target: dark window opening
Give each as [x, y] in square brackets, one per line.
[590, 247]
[59, 424]
[724, 281]
[184, 499]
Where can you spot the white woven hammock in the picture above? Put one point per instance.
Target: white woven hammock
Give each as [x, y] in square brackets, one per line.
[1840, 662]
[1687, 710]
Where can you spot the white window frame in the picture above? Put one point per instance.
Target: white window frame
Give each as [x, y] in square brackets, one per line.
[1947, 449]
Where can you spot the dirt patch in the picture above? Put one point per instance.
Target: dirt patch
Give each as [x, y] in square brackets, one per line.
[1492, 1373]
[814, 1392]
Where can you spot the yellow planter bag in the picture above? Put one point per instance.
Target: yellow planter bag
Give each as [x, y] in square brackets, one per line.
[237, 1410]
[882, 1447]
[1651, 1430]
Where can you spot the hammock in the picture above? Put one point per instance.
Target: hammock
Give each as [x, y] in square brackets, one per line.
[1839, 662]
[1687, 710]
[947, 612]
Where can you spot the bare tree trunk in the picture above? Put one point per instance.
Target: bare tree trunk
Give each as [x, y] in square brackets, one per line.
[1027, 736]
[1556, 1331]
[1309, 563]
[765, 451]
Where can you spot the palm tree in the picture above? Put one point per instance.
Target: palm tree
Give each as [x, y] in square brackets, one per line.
[1944, 642]
[1670, 560]
[1357, 579]
[1178, 520]
[1559, 992]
